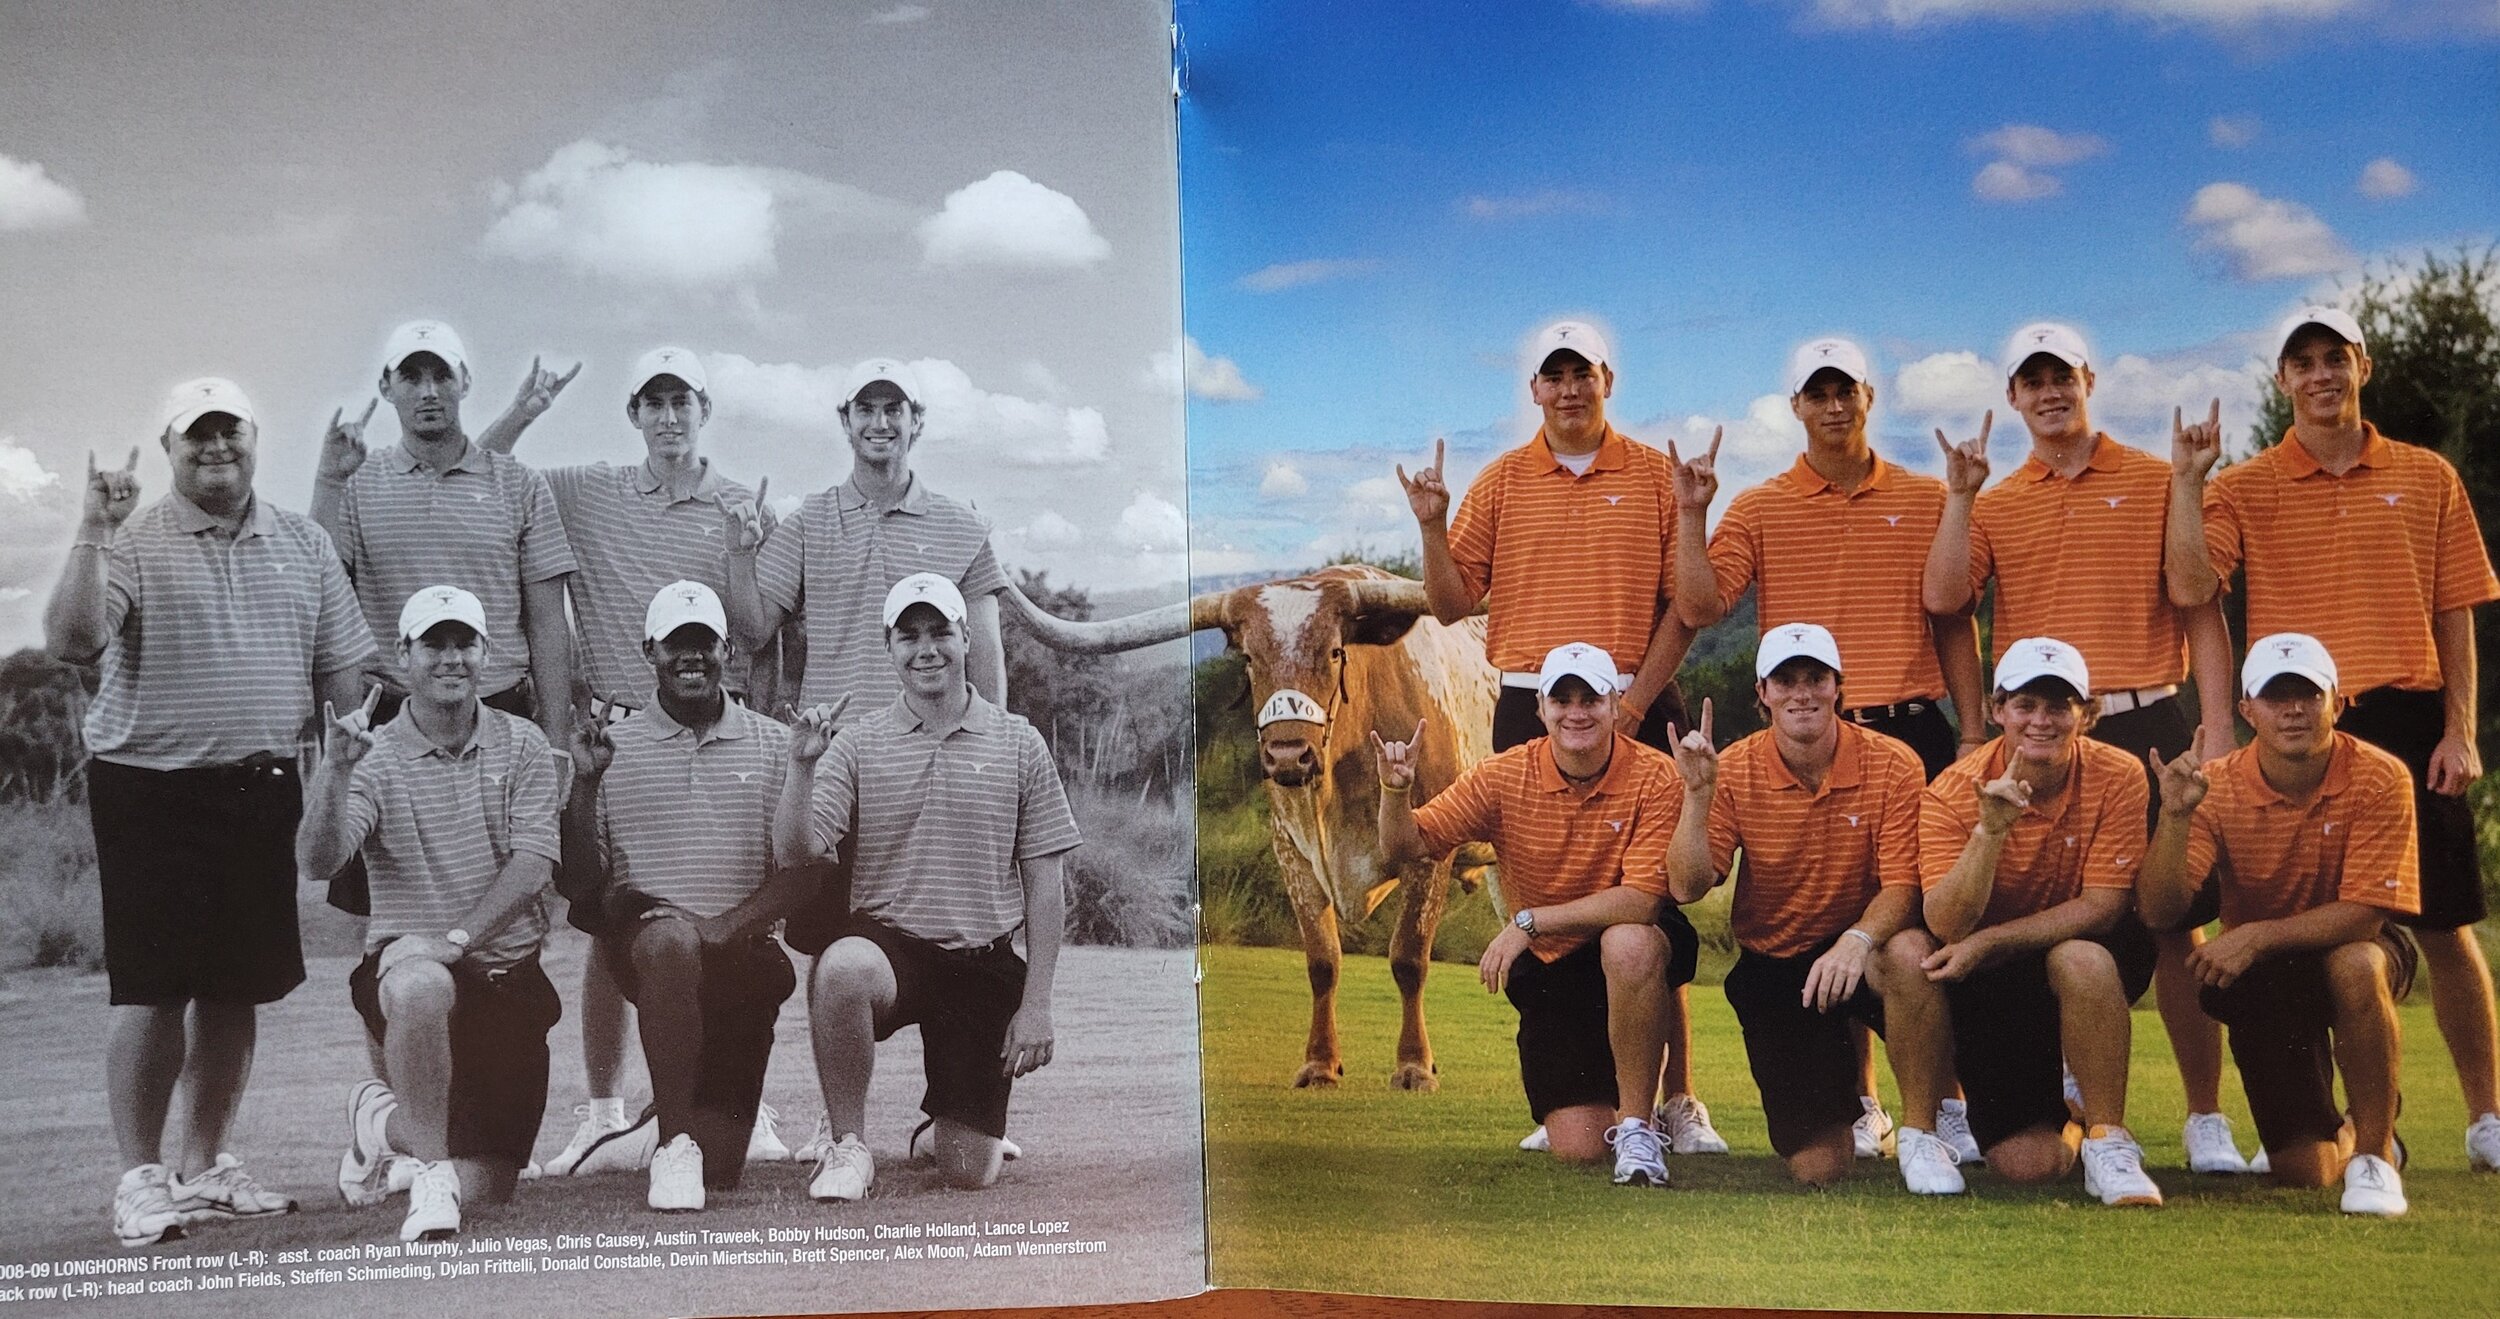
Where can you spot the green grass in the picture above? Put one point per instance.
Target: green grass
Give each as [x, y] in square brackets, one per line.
[1364, 1189]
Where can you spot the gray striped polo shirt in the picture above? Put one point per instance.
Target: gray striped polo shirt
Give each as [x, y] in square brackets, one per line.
[436, 828]
[838, 558]
[943, 814]
[213, 642]
[687, 817]
[487, 524]
[630, 539]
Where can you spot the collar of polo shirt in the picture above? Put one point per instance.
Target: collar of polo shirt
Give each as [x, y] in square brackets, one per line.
[2376, 451]
[2105, 458]
[1809, 481]
[729, 726]
[706, 487]
[979, 716]
[413, 744]
[915, 496]
[471, 459]
[2338, 773]
[189, 520]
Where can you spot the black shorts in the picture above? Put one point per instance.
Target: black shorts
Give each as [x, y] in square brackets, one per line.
[2281, 1015]
[2006, 1042]
[350, 888]
[1802, 1059]
[824, 915]
[1565, 1059]
[741, 987]
[2408, 725]
[1922, 724]
[198, 874]
[499, 1025]
[963, 1000]
[1515, 719]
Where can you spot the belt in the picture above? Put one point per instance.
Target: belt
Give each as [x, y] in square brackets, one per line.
[258, 765]
[2121, 702]
[1874, 714]
[1623, 681]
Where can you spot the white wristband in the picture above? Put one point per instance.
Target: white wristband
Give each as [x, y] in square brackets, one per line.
[1870, 939]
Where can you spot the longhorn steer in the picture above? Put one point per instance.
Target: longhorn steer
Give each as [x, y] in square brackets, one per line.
[1333, 656]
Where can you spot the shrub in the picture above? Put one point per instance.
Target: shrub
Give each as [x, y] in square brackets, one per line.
[1130, 883]
[51, 909]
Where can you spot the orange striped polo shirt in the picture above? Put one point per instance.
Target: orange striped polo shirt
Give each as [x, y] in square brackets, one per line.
[2090, 835]
[1562, 558]
[1557, 842]
[2352, 841]
[1851, 562]
[2080, 560]
[1814, 859]
[2359, 561]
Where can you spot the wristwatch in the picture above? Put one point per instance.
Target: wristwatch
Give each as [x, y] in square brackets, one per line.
[1526, 921]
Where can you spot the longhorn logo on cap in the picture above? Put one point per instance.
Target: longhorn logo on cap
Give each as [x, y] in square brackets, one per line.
[1562, 331]
[2048, 652]
[2039, 336]
[1796, 634]
[1290, 704]
[2285, 648]
[1824, 350]
[442, 595]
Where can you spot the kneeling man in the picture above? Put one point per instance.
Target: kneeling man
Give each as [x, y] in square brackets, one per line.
[668, 838]
[1580, 820]
[2311, 834]
[961, 827]
[453, 805]
[2028, 849]
[1825, 814]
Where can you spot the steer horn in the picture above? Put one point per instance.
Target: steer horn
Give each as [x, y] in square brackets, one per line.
[1400, 595]
[1106, 636]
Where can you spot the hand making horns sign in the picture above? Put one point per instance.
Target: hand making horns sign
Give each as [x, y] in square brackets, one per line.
[111, 492]
[2001, 802]
[2182, 781]
[1696, 756]
[742, 521]
[1697, 481]
[1425, 493]
[812, 735]
[539, 389]
[343, 444]
[1395, 761]
[1966, 464]
[2195, 449]
[346, 738]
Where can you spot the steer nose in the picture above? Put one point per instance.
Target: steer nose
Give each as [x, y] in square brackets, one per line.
[1288, 761]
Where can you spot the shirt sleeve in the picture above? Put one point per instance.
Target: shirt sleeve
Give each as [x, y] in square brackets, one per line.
[363, 809]
[1653, 829]
[834, 800]
[1896, 837]
[2116, 852]
[2382, 859]
[348, 537]
[1726, 825]
[1466, 811]
[1471, 532]
[537, 794]
[1044, 824]
[2223, 544]
[1946, 814]
[121, 580]
[2204, 847]
[982, 576]
[1983, 550]
[341, 638]
[1732, 551]
[545, 552]
[780, 565]
[566, 485]
[2465, 577]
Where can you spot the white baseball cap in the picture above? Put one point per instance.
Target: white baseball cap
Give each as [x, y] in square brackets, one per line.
[2283, 653]
[2332, 318]
[2058, 341]
[2033, 658]
[194, 399]
[1791, 641]
[681, 603]
[892, 372]
[1575, 336]
[924, 588]
[440, 604]
[669, 362]
[1820, 354]
[1577, 659]
[424, 337]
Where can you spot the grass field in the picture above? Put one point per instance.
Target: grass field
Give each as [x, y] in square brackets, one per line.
[1111, 1129]
[1365, 1189]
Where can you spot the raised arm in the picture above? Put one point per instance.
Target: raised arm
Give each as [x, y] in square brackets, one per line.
[1953, 907]
[1691, 872]
[1395, 763]
[74, 628]
[1945, 586]
[325, 837]
[1956, 639]
[2215, 673]
[2164, 888]
[753, 620]
[810, 737]
[537, 394]
[1426, 495]
[2186, 568]
[1697, 600]
[987, 662]
[342, 452]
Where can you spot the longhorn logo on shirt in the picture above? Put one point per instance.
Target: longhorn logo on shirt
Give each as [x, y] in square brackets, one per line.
[2114, 500]
[2391, 499]
[1612, 500]
[1893, 520]
[746, 775]
[2328, 827]
[495, 777]
[1853, 820]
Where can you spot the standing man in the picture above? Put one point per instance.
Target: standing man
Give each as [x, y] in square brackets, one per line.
[2370, 546]
[1594, 951]
[669, 518]
[436, 508]
[453, 806]
[671, 814]
[2028, 851]
[2310, 833]
[1572, 536]
[1825, 815]
[963, 828]
[216, 621]
[2073, 539]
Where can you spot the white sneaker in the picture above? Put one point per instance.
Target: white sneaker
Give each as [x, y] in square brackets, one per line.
[1953, 1128]
[226, 1191]
[597, 1124]
[1686, 1123]
[677, 1175]
[818, 1141]
[2482, 1144]
[364, 1169]
[2260, 1165]
[531, 1172]
[1927, 1163]
[1638, 1159]
[2373, 1187]
[143, 1207]
[845, 1173]
[433, 1203]
[2113, 1169]
[2210, 1147]
[1872, 1133]
[399, 1172]
[626, 1150]
[764, 1143]
[1536, 1142]
[923, 1144]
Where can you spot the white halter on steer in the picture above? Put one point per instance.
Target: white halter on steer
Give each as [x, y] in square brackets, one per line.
[1290, 704]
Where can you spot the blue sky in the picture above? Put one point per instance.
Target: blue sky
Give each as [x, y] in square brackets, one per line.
[1380, 203]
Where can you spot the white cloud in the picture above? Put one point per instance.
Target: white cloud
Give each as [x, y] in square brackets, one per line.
[1154, 525]
[2212, 13]
[1206, 375]
[32, 199]
[1294, 274]
[1282, 481]
[1049, 531]
[2031, 144]
[2005, 181]
[1953, 386]
[899, 14]
[1008, 428]
[1377, 501]
[1010, 220]
[1551, 201]
[2385, 180]
[2134, 396]
[2232, 131]
[2264, 237]
[23, 476]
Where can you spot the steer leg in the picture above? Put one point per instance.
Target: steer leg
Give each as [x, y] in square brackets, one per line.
[1320, 949]
[1427, 890]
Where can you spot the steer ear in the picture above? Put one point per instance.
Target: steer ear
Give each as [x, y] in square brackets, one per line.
[1379, 627]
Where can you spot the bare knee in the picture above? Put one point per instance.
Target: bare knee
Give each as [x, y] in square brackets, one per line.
[2036, 1155]
[1632, 954]
[1827, 1159]
[666, 946]
[967, 1159]
[852, 970]
[416, 989]
[1578, 1134]
[2357, 974]
[1897, 964]
[2082, 966]
[2309, 1163]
